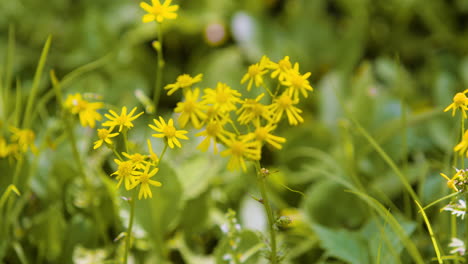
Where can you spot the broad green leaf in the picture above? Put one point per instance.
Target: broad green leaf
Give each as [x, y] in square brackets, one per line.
[345, 245]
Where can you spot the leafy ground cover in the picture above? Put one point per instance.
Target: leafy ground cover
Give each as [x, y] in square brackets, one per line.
[233, 131]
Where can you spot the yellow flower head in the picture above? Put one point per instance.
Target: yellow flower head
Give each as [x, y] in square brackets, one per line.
[263, 134]
[4, 149]
[104, 135]
[137, 159]
[158, 12]
[254, 75]
[125, 173]
[252, 110]
[191, 109]
[74, 103]
[462, 147]
[24, 138]
[122, 120]
[168, 131]
[451, 183]
[285, 104]
[87, 111]
[297, 83]
[223, 97]
[183, 81]
[459, 101]
[214, 130]
[280, 69]
[142, 178]
[239, 150]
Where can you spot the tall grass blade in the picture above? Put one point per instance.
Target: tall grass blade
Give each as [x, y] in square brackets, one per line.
[36, 82]
[394, 224]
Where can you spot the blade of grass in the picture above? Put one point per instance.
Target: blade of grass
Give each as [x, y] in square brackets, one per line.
[440, 200]
[394, 224]
[35, 85]
[8, 69]
[429, 228]
[386, 158]
[71, 76]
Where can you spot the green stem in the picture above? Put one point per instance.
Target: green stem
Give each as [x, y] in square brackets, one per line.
[130, 226]
[466, 193]
[157, 88]
[124, 132]
[261, 178]
[162, 153]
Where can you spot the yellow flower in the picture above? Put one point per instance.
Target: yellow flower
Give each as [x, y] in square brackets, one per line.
[159, 12]
[143, 178]
[25, 139]
[104, 136]
[285, 104]
[281, 68]
[4, 149]
[254, 74]
[239, 150]
[183, 81]
[152, 156]
[191, 109]
[122, 120]
[252, 110]
[451, 183]
[262, 134]
[297, 83]
[168, 131]
[459, 101]
[462, 147]
[213, 131]
[87, 111]
[74, 103]
[125, 173]
[222, 97]
[137, 159]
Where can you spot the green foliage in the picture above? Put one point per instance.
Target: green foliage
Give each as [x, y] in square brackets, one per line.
[375, 136]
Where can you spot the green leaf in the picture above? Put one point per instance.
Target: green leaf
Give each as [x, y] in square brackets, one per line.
[160, 214]
[343, 244]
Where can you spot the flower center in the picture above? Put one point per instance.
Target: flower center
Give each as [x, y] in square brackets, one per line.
[237, 148]
[284, 65]
[125, 168]
[189, 106]
[284, 101]
[184, 80]
[460, 99]
[103, 133]
[143, 178]
[297, 81]
[254, 70]
[261, 133]
[169, 131]
[212, 129]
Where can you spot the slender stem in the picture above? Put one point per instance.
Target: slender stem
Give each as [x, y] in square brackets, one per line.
[466, 193]
[130, 226]
[157, 88]
[124, 132]
[261, 178]
[162, 153]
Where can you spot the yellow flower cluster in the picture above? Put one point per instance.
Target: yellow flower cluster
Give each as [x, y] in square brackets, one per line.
[21, 140]
[133, 169]
[460, 102]
[243, 125]
[138, 169]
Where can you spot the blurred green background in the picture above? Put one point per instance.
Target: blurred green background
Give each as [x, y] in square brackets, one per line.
[391, 65]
